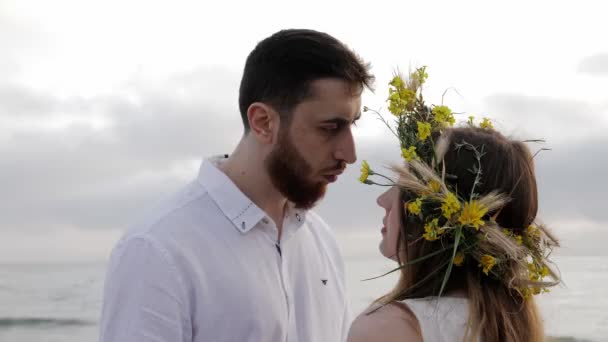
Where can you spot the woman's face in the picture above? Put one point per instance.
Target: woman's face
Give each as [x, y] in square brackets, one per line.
[391, 202]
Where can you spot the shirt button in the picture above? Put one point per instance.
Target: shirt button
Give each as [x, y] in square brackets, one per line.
[265, 220]
[243, 225]
[298, 217]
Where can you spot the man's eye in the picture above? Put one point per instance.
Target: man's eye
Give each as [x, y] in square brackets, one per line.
[330, 128]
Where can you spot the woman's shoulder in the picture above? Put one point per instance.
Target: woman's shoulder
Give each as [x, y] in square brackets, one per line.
[387, 323]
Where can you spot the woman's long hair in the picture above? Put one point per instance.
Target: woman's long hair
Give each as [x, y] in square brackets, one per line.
[498, 311]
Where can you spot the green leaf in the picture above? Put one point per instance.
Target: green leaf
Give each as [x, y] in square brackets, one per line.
[411, 262]
[385, 274]
[449, 270]
[428, 255]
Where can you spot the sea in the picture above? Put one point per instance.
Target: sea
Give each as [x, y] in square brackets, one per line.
[61, 302]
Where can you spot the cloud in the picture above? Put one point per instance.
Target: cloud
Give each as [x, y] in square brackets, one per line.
[523, 107]
[580, 236]
[556, 120]
[596, 65]
[58, 245]
[575, 131]
[571, 180]
[19, 42]
[81, 176]
[18, 101]
[88, 177]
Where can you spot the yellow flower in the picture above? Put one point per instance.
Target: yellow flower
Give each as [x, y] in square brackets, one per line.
[396, 105]
[400, 98]
[487, 262]
[519, 240]
[459, 259]
[415, 207]
[419, 76]
[471, 120]
[407, 94]
[432, 230]
[443, 115]
[486, 123]
[409, 153]
[450, 205]
[365, 172]
[544, 271]
[537, 272]
[472, 213]
[533, 232]
[424, 130]
[528, 292]
[396, 82]
[434, 186]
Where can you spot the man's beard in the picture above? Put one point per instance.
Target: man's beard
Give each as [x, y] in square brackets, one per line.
[290, 174]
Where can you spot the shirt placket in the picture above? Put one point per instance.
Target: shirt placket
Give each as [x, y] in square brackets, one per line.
[286, 291]
[291, 222]
[283, 273]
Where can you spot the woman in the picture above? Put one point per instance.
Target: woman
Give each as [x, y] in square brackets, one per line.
[460, 222]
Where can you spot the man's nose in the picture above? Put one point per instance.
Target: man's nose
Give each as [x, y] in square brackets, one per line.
[346, 149]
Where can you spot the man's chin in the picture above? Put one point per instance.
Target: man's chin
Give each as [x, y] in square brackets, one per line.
[308, 202]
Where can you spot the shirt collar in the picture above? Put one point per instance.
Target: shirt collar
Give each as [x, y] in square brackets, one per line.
[235, 205]
[293, 220]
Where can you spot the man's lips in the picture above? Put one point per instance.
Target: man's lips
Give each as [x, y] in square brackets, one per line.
[330, 178]
[334, 172]
[332, 175]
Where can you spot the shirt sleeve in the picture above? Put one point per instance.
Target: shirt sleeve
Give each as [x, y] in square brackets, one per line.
[144, 300]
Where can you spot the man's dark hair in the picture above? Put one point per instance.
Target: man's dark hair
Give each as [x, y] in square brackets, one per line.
[281, 67]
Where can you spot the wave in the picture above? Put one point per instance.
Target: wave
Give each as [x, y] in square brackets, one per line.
[566, 339]
[42, 322]
[45, 322]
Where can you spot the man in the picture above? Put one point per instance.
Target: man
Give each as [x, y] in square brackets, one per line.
[237, 255]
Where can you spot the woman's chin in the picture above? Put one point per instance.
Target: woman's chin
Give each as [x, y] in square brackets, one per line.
[386, 252]
[383, 250]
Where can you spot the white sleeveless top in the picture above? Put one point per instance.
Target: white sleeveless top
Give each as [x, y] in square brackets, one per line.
[441, 319]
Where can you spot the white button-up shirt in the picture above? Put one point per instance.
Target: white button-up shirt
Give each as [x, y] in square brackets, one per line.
[208, 267]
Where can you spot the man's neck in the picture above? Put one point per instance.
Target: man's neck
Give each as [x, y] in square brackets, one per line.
[245, 167]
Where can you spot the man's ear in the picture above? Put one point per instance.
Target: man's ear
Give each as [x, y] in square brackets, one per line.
[264, 122]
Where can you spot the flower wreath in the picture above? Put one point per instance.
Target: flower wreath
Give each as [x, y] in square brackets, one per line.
[458, 224]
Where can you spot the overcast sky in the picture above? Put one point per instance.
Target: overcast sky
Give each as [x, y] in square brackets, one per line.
[107, 107]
